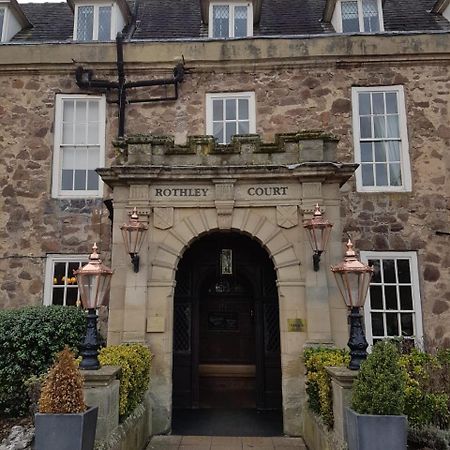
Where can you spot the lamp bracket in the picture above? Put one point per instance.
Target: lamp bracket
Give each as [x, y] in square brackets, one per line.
[316, 260]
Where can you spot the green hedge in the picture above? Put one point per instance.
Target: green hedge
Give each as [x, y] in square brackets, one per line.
[29, 339]
[135, 361]
[318, 382]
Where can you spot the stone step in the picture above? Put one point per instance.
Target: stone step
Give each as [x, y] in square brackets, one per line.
[225, 443]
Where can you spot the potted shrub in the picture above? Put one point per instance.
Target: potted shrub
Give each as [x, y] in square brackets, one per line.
[375, 421]
[63, 421]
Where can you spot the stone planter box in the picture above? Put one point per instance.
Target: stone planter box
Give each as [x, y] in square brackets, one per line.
[66, 431]
[370, 432]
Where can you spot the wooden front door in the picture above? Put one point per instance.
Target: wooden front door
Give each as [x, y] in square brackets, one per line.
[226, 350]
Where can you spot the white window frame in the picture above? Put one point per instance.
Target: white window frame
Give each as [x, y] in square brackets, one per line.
[5, 18]
[405, 165]
[49, 272]
[232, 6]
[250, 96]
[96, 6]
[415, 291]
[337, 16]
[57, 192]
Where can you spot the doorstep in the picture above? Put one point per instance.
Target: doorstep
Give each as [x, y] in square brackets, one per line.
[225, 443]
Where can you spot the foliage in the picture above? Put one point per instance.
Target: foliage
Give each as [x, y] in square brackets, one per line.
[428, 437]
[62, 390]
[427, 388]
[380, 385]
[318, 381]
[135, 362]
[30, 337]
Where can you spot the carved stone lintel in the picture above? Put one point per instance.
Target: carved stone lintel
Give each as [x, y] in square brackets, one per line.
[162, 218]
[287, 216]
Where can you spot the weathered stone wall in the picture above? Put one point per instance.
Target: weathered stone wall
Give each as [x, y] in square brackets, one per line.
[289, 97]
[32, 224]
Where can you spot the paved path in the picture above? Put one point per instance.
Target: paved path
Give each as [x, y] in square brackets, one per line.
[225, 443]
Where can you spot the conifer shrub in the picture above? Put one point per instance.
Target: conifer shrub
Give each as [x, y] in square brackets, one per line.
[318, 381]
[29, 340]
[135, 362]
[62, 390]
[380, 386]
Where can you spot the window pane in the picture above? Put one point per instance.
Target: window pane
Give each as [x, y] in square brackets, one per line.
[389, 271]
[221, 15]
[81, 111]
[406, 302]
[217, 109]
[350, 22]
[390, 295]
[80, 179]
[92, 180]
[93, 135]
[85, 25]
[364, 104]
[391, 103]
[381, 174]
[68, 158]
[67, 180]
[377, 324]
[379, 126]
[67, 133]
[104, 23]
[71, 296]
[380, 152]
[407, 324]
[370, 14]
[365, 127]
[243, 109]
[58, 296]
[240, 21]
[230, 109]
[59, 273]
[376, 297]
[230, 130]
[378, 102]
[243, 128]
[70, 275]
[392, 324]
[403, 270]
[395, 175]
[218, 132]
[393, 129]
[375, 264]
[82, 158]
[367, 175]
[393, 150]
[366, 152]
[68, 110]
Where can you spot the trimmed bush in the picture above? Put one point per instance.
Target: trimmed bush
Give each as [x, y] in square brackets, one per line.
[380, 386]
[30, 338]
[318, 382]
[135, 361]
[428, 437]
[62, 390]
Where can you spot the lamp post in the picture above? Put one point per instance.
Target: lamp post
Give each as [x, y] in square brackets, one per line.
[133, 234]
[353, 280]
[319, 230]
[93, 282]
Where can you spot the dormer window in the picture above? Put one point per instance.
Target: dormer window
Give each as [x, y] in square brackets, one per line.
[354, 16]
[99, 21]
[230, 20]
[12, 20]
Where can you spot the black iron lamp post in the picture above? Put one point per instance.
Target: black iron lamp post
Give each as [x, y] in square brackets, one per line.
[133, 234]
[93, 282]
[319, 230]
[353, 280]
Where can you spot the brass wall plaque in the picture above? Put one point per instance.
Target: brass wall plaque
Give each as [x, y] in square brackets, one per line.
[296, 325]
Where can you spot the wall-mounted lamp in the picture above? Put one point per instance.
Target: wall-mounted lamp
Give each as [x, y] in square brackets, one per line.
[93, 281]
[133, 234]
[319, 230]
[353, 280]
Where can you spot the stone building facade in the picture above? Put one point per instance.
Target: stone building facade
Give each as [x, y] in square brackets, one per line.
[261, 185]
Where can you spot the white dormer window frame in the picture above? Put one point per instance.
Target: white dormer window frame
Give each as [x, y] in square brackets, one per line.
[114, 25]
[12, 20]
[3, 22]
[233, 8]
[337, 20]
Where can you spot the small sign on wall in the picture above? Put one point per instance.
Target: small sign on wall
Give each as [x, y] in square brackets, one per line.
[296, 325]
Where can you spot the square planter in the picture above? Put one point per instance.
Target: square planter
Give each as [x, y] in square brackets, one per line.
[66, 431]
[370, 432]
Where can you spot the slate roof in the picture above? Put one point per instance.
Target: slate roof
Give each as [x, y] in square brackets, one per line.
[181, 19]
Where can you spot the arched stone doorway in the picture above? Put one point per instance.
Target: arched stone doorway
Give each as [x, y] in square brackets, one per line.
[226, 334]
